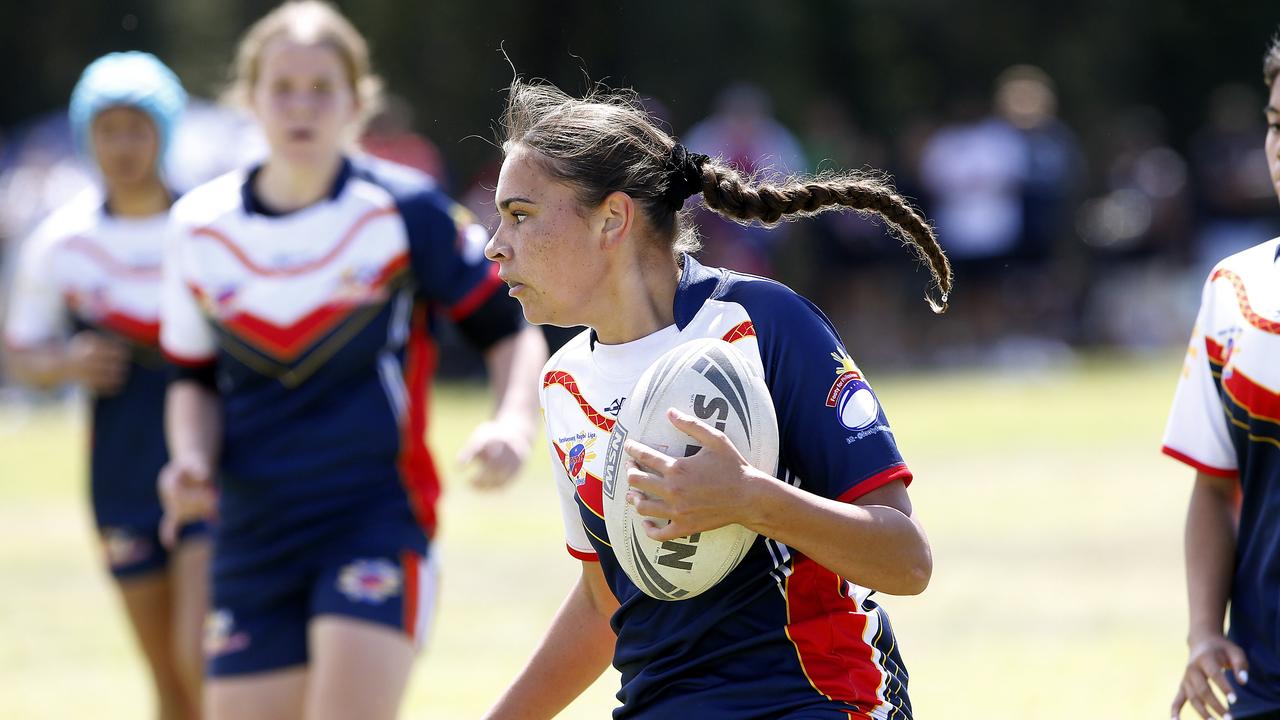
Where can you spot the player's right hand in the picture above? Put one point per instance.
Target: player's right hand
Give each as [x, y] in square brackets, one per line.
[98, 362]
[1210, 660]
[187, 493]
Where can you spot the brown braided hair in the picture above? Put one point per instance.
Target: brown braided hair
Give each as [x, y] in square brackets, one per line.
[606, 142]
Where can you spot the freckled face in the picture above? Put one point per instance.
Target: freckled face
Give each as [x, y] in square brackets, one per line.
[545, 248]
[1273, 135]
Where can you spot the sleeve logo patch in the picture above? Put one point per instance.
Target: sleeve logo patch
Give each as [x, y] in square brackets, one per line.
[856, 406]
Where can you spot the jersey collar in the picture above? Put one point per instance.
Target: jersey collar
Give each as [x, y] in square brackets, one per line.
[254, 206]
[697, 284]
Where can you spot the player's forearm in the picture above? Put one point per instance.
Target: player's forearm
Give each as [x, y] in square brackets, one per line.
[1210, 550]
[573, 653]
[875, 546]
[193, 421]
[39, 367]
[514, 364]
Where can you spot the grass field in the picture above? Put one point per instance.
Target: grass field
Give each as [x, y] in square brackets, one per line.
[1055, 523]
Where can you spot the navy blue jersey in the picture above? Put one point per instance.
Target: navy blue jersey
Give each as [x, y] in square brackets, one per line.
[1225, 422]
[781, 635]
[319, 324]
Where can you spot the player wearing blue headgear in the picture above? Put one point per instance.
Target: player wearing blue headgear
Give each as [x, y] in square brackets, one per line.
[85, 309]
[301, 296]
[795, 631]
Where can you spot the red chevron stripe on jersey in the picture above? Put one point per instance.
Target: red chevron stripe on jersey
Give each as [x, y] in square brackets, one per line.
[142, 332]
[739, 331]
[299, 269]
[1246, 310]
[826, 628]
[565, 380]
[108, 263]
[286, 343]
[417, 469]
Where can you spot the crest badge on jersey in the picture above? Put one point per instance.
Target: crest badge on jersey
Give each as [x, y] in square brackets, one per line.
[577, 453]
[370, 581]
[856, 406]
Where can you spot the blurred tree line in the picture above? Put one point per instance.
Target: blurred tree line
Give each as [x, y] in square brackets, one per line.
[891, 63]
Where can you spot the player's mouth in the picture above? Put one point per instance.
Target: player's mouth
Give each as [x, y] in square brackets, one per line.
[513, 286]
[301, 135]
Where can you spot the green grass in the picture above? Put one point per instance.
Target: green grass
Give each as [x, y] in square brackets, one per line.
[1056, 529]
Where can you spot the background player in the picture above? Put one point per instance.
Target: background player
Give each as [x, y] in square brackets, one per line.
[595, 185]
[298, 296]
[92, 272]
[1225, 423]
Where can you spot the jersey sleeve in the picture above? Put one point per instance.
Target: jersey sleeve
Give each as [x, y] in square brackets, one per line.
[575, 535]
[446, 248]
[186, 337]
[1197, 432]
[37, 313]
[834, 434]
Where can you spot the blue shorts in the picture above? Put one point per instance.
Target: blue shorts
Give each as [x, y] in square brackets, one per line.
[134, 549]
[263, 602]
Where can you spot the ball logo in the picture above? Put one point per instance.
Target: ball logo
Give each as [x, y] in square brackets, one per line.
[851, 396]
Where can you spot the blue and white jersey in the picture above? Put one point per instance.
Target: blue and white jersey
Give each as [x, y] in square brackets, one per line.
[1225, 422]
[319, 326]
[84, 269]
[782, 634]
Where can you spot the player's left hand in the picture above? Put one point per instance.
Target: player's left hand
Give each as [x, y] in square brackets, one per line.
[494, 451]
[704, 491]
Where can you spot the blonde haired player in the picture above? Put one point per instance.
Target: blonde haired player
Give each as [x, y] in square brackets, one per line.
[301, 296]
[1225, 423]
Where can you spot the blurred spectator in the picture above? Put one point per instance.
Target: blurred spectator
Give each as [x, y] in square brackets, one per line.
[1235, 200]
[390, 136]
[744, 133]
[1025, 98]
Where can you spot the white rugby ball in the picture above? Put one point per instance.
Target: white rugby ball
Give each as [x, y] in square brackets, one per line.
[709, 379]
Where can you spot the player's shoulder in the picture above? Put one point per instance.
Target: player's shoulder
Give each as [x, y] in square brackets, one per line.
[771, 305]
[77, 217]
[1261, 258]
[212, 200]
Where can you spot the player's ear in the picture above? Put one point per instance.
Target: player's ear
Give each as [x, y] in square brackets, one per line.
[614, 217]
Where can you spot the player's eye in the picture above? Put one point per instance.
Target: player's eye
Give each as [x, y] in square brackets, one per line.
[518, 217]
[322, 86]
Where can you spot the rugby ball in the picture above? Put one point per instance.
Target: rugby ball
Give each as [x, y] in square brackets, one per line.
[709, 379]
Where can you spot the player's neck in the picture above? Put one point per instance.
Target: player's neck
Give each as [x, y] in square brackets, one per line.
[647, 291]
[285, 187]
[143, 199]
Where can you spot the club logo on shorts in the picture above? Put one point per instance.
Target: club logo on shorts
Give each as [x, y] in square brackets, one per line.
[123, 547]
[577, 453]
[219, 638]
[851, 396]
[369, 581]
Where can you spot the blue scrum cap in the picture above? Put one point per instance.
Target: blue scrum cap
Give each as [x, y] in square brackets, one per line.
[132, 79]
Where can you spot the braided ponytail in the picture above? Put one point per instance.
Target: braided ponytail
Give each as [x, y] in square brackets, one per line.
[607, 143]
[728, 194]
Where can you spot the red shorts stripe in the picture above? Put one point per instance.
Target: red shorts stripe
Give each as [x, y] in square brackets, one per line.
[409, 564]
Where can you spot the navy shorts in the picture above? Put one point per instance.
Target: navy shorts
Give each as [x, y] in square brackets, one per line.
[264, 598]
[133, 550]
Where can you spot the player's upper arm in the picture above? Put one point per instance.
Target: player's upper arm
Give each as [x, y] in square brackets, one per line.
[597, 588]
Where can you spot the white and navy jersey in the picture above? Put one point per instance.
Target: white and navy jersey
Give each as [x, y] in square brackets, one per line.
[1225, 422]
[319, 324]
[84, 269]
[782, 634]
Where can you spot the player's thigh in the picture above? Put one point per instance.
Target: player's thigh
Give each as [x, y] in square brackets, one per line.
[359, 669]
[148, 606]
[276, 695]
